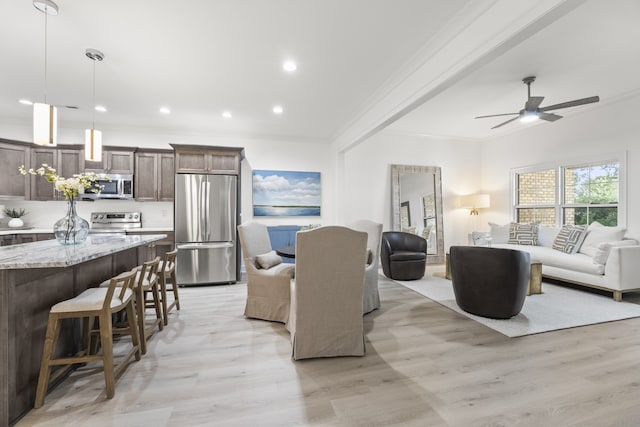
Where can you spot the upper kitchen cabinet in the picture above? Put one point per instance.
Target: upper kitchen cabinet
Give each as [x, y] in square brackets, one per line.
[154, 175]
[208, 160]
[115, 160]
[67, 160]
[12, 155]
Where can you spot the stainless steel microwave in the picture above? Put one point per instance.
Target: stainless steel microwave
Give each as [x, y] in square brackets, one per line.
[116, 187]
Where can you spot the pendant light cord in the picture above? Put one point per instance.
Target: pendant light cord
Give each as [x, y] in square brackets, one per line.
[45, 56]
[93, 107]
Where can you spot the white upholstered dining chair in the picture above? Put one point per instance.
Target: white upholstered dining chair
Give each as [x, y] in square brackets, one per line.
[326, 294]
[371, 297]
[267, 277]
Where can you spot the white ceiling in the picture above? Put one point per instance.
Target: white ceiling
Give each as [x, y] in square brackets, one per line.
[593, 50]
[201, 57]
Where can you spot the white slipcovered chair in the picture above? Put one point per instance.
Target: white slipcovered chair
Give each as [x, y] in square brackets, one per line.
[326, 294]
[267, 277]
[371, 297]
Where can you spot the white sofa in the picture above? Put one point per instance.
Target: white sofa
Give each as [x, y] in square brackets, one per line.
[606, 259]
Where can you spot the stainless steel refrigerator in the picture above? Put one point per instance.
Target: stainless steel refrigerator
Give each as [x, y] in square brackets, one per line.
[205, 228]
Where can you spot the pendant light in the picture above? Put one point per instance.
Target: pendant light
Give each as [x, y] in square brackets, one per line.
[45, 116]
[93, 137]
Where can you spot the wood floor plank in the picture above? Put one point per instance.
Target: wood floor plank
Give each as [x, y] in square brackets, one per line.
[425, 366]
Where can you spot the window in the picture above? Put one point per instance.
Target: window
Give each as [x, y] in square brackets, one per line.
[576, 194]
[536, 196]
[591, 193]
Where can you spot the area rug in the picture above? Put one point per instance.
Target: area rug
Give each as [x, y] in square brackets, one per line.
[558, 307]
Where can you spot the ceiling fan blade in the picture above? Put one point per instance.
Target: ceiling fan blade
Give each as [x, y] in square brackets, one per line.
[550, 117]
[533, 103]
[504, 123]
[574, 103]
[496, 115]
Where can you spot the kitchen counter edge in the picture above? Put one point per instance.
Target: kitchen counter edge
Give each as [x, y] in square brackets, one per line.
[50, 253]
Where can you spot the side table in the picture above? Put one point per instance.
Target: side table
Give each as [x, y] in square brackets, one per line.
[535, 279]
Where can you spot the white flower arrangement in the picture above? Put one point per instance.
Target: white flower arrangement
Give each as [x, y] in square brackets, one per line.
[70, 187]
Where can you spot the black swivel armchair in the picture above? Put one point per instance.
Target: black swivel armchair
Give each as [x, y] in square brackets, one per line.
[403, 255]
[490, 282]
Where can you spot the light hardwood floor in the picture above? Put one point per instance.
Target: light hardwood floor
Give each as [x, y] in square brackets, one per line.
[425, 366]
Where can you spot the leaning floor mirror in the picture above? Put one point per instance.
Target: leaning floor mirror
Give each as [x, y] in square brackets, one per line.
[416, 203]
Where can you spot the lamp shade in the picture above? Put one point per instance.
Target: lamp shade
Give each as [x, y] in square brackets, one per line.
[475, 201]
[45, 124]
[92, 145]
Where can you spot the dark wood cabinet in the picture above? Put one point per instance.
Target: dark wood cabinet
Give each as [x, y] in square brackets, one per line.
[26, 238]
[115, 160]
[12, 155]
[14, 239]
[157, 248]
[154, 175]
[66, 160]
[208, 160]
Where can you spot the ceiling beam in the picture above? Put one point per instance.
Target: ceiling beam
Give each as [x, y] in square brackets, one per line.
[481, 32]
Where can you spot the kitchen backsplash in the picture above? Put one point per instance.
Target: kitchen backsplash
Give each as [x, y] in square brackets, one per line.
[44, 214]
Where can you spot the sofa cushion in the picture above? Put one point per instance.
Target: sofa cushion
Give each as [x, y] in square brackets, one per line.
[547, 235]
[523, 234]
[499, 233]
[550, 257]
[569, 238]
[268, 260]
[598, 233]
[604, 249]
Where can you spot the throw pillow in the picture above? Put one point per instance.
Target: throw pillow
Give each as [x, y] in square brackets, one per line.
[268, 260]
[569, 238]
[523, 234]
[499, 233]
[598, 233]
[604, 249]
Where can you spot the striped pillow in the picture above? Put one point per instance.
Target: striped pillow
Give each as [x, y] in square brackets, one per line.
[569, 238]
[523, 234]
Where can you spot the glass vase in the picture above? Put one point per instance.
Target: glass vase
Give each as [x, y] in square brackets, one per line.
[71, 229]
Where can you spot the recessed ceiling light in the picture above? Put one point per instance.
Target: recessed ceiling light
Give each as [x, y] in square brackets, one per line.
[101, 108]
[289, 66]
[277, 109]
[165, 110]
[227, 114]
[25, 102]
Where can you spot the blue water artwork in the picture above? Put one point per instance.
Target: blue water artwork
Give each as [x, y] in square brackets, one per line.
[286, 193]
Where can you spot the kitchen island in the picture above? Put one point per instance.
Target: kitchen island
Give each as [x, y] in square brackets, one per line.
[34, 277]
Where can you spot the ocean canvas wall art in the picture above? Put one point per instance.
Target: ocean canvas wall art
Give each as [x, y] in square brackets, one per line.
[286, 193]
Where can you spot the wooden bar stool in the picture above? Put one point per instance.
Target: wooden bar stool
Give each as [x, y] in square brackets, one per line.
[146, 286]
[168, 271]
[146, 295]
[99, 303]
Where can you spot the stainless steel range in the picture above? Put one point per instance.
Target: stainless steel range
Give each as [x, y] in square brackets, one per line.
[115, 222]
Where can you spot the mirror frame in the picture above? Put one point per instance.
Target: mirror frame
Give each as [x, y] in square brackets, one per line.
[396, 170]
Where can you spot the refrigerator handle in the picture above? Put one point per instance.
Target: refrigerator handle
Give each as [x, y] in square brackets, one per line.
[202, 226]
[207, 210]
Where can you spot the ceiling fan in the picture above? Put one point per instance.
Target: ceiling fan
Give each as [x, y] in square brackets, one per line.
[532, 110]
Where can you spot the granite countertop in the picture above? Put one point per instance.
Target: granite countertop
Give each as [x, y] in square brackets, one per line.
[31, 230]
[50, 253]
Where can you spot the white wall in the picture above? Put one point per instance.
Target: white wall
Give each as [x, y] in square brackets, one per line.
[598, 132]
[259, 154]
[366, 183]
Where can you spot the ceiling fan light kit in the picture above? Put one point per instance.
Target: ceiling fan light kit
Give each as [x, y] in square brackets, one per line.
[532, 110]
